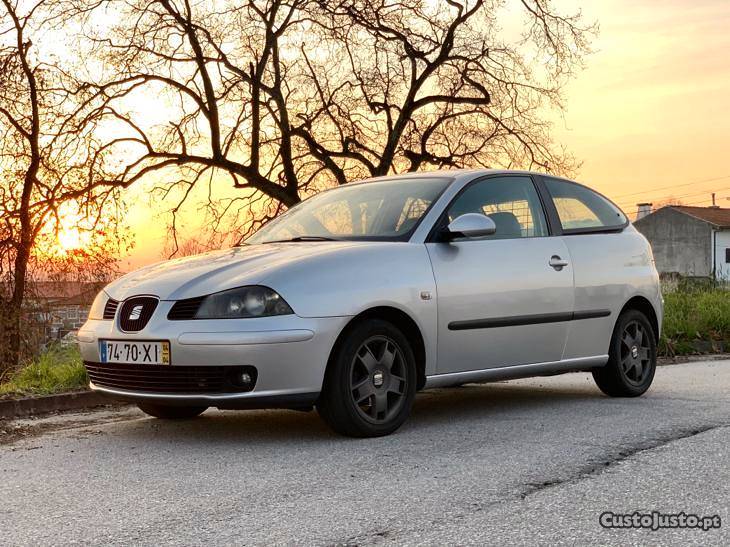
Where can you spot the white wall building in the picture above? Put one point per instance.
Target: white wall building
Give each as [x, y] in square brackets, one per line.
[690, 241]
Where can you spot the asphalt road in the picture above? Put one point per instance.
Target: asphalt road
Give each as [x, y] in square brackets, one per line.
[522, 462]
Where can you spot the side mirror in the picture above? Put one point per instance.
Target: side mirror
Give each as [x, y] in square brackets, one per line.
[470, 225]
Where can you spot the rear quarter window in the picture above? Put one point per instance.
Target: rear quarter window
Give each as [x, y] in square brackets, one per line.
[580, 209]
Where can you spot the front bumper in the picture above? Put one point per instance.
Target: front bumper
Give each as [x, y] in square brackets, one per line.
[290, 354]
[231, 401]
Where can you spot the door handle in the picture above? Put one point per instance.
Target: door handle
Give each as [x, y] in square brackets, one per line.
[557, 262]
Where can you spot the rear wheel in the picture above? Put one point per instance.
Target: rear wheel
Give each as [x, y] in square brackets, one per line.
[370, 383]
[167, 412]
[632, 357]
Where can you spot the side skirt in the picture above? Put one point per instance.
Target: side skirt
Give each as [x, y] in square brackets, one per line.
[515, 371]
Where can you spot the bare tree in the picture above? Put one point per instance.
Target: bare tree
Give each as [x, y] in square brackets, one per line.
[284, 97]
[43, 168]
[281, 97]
[667, 202]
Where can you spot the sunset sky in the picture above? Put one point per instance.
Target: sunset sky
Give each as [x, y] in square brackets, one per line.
[648, 116]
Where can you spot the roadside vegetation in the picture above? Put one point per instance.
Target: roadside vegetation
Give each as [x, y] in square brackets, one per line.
[696, 321]
[57, 369]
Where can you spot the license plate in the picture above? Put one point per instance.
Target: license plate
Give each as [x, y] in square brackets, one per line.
[135, 353]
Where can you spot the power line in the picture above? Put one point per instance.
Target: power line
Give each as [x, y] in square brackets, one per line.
[635, 212]
[653, 190]
[709, 191]
[703, 200]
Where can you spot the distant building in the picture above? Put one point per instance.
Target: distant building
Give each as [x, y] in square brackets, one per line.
[690, 241]
[58, 308]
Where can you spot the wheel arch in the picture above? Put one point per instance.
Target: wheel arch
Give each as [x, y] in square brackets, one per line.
[400, 320]
[643, 305]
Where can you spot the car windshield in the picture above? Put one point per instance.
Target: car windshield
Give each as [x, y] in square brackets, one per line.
[378, 210]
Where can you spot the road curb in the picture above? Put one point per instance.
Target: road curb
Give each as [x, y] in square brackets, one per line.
[31, 406]
[685, 359]
[81, 400]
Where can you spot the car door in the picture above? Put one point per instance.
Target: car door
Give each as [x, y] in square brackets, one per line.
[610, 262]
[505, 299]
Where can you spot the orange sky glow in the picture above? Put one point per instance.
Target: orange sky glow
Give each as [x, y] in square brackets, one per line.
[648, 116]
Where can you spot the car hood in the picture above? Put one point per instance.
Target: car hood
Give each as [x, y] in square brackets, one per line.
[215, 271]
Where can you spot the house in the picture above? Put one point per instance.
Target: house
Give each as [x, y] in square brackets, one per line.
[690, 241]
[58, 308]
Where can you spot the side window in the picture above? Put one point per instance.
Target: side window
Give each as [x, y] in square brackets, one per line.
[579, 207]
[511, 202]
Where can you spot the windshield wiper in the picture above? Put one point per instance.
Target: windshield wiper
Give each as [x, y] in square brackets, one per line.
[303, 238]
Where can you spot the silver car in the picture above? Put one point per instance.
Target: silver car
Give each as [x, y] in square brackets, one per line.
[362, 295]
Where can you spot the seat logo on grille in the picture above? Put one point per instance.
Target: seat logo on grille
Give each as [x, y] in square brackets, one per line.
[135, 313]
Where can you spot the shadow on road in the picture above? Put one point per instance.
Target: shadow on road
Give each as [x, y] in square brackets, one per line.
[481, 403]
[500, 398]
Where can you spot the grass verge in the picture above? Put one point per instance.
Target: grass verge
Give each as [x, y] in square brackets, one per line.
[696, 320]
[57, 369]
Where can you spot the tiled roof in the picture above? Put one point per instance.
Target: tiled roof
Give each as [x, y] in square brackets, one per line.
[714, 215]
[73, 292]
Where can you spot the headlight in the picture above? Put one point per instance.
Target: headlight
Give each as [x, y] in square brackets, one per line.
[97, 308]
[251, 301]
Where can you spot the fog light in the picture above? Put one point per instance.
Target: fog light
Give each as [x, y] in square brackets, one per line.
[242, 378]
[245, 379]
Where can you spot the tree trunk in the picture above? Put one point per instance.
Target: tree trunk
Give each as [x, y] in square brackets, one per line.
[9, 338]
[10, 334]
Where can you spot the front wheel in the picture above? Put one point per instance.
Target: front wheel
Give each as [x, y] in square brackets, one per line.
[370, 383]
[167, 412]
[631, 359]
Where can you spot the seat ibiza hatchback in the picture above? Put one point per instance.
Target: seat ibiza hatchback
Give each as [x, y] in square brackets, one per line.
[362, 295]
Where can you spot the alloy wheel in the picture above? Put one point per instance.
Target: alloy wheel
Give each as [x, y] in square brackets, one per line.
[635, 353]
[378, 379]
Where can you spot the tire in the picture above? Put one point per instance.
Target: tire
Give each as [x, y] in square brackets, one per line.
[631, 358]
[167, 412]
[370, 382]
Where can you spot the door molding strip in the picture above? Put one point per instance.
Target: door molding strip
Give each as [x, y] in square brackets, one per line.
[517, 320]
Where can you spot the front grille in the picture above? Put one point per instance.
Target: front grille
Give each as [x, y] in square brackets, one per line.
[110, 308]
[136, 312]
[185, 309]
[169, 378]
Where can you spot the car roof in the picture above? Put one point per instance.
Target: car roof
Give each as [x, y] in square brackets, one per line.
[453, 174]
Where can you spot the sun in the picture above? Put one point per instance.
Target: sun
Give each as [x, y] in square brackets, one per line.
[69, 239]
[66, 234]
